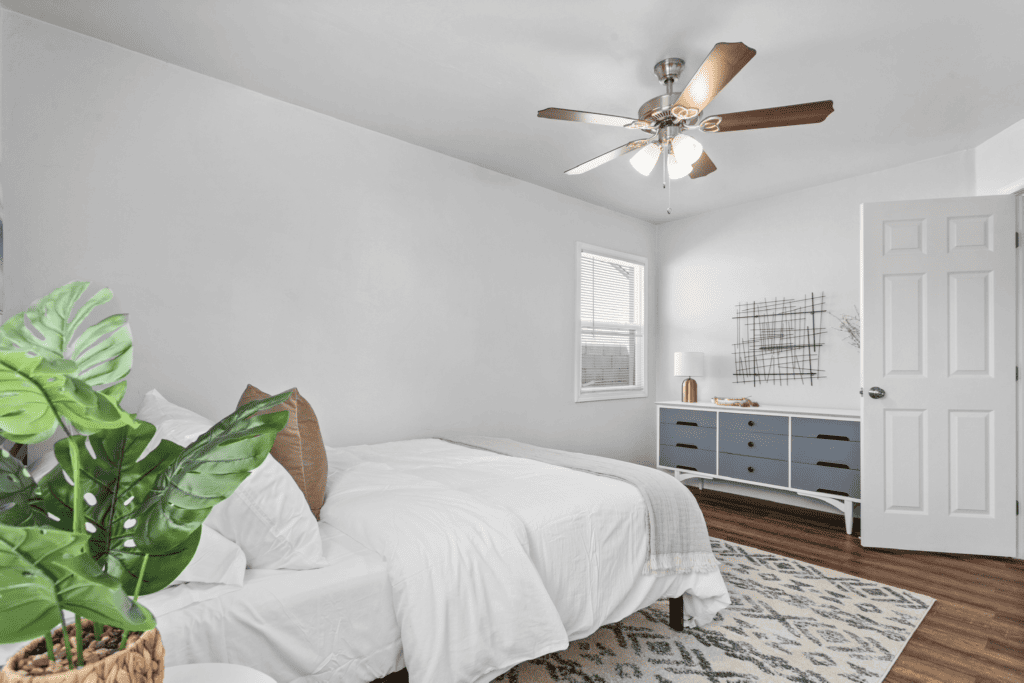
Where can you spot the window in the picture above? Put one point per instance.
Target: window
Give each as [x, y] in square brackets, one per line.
[610, 338]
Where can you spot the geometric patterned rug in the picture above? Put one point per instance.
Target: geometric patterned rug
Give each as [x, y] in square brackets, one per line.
[789, 621]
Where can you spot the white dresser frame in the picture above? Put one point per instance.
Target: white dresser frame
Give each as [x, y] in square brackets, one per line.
[841, 503]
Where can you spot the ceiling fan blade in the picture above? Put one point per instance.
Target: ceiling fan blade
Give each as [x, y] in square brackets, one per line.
[588, 117]
[702, 166]
[724, 62]
[606, 157]
[793, 115]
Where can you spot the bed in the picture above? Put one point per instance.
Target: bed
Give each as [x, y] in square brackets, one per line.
[360, 617]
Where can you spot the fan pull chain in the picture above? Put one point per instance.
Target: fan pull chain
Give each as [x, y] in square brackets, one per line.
[664, 170]
[668, 210]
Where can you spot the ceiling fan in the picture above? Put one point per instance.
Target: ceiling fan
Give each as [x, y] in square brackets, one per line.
[670, 116]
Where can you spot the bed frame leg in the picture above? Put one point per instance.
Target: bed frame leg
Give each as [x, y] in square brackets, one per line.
[675, 613]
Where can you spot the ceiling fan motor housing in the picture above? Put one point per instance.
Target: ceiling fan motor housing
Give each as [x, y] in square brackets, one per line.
[658, 109]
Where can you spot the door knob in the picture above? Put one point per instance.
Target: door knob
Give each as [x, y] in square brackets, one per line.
[876, 392]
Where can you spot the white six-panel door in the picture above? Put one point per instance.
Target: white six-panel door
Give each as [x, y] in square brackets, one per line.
[938, 450]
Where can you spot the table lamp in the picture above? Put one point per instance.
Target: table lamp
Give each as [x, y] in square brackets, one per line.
[689, 364]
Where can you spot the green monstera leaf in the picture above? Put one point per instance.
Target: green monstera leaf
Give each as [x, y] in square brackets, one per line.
[118, 482]
[207, 472]
[102, 353]
[156, 506]
[43, 570]
[21, 504]
[35, 393]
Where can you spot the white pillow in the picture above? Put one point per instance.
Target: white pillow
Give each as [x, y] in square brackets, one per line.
[217, 560]
[172, 422]
[267, 515]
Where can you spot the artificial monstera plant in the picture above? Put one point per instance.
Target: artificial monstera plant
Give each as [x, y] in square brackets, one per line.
[120, 515]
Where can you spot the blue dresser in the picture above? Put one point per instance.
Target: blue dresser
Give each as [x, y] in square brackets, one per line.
[813, 452]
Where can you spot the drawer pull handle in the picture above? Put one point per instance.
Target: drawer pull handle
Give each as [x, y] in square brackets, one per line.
[684, 445]
[750, 444]
[833, 438]
[687, 424]
[750, 469]
[684, 467]
[833, 464]
[835, 493]
[751, 423]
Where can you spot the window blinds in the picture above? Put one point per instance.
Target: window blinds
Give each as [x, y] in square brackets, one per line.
[611, 323]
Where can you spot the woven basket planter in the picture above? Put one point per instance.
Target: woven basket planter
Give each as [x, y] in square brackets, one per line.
[141, 662]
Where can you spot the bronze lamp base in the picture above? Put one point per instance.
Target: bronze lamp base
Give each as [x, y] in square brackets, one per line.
[690, 391]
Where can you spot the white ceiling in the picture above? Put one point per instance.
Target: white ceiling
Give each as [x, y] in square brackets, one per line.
[911, 79]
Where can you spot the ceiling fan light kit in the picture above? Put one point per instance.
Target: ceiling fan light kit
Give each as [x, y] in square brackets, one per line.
[670, 116]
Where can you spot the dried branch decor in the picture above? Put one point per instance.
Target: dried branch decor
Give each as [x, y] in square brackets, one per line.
[850, 326]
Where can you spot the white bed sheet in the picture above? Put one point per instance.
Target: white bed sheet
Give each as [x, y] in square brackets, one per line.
[333, 624]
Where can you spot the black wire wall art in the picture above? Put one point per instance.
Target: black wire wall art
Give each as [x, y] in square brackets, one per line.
[778, 341]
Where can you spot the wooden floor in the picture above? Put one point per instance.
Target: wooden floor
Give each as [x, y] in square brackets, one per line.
[973, 634]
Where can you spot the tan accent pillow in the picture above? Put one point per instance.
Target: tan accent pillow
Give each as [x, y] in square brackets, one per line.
[299, 447]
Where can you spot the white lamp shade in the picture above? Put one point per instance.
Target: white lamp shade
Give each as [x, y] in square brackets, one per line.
[686, 150]
[645, 160]
[677, 170]
[689, 364]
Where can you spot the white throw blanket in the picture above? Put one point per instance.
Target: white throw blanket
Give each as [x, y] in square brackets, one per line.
[468, 599]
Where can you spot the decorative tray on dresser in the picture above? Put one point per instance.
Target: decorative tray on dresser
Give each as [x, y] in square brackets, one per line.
[814, 452]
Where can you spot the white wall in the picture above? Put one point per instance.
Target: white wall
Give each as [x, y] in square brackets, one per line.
[999, 162]
[784, 246]
[406, 293]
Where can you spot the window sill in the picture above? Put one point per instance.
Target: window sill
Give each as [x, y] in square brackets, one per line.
[609, 394]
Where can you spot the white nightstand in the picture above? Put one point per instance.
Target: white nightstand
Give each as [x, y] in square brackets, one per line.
[214, 673]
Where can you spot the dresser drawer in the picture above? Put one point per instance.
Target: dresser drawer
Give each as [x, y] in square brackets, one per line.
[688, 418]
[815, 451]
[839, 430]
[760, 470]
[756, 424]
[698, 459]
[701, 437]
[773, 446]
[826, 479]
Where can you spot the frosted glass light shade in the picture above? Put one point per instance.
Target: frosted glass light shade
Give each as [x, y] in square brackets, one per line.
[677, 170]
[689, 364]
[645, 160]
[686, 150]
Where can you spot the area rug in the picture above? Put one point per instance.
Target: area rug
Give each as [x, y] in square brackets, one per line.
[789, 621]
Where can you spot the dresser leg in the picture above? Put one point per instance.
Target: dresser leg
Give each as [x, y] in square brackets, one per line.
[848, 512]
[675, 613]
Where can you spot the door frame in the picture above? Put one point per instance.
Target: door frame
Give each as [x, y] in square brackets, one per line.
[1019, 191]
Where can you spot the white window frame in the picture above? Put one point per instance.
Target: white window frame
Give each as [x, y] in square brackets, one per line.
[608, 393]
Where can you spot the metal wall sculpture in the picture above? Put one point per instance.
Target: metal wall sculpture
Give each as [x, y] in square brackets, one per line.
[778, 341]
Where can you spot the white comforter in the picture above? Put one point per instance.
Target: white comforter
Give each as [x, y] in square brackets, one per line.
[495, 560]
